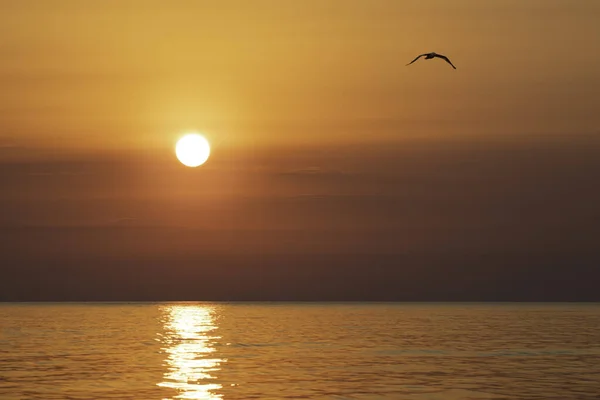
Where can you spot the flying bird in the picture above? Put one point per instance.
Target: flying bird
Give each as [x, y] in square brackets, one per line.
[429, 56]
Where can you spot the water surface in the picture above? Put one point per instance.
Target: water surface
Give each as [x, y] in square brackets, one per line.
[293, 351]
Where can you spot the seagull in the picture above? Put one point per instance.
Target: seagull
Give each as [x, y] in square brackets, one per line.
[429, 56]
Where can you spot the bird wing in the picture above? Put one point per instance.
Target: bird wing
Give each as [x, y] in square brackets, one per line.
[416, 58]
[447, 60]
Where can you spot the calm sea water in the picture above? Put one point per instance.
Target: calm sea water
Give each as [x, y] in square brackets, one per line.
[299, 351]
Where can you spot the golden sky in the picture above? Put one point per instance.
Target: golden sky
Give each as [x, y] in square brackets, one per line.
[323, 143]
[314, 119]
[136, 74]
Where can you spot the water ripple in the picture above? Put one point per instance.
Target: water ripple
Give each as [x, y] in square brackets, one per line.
[295, 351]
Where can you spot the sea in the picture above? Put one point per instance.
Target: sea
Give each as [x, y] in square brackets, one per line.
[60, 351]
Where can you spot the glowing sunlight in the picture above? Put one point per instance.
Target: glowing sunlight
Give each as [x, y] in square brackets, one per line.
[188, 342]
[192, 150]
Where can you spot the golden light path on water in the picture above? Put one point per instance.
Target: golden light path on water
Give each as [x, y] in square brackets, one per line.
[188, 341]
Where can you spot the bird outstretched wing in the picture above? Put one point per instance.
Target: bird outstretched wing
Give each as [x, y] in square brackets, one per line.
[417, 58]
[447, 60]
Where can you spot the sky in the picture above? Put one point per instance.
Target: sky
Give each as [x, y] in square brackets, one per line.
[336, 172]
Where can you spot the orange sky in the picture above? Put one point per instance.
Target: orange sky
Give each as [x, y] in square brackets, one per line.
[329, 156]
[135, 74]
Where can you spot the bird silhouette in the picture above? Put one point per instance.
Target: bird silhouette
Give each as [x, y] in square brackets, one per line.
[429, 56]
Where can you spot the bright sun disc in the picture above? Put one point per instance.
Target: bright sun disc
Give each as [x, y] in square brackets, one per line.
[192, 150]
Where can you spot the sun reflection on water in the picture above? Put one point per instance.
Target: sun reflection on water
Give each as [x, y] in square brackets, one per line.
[188, 342]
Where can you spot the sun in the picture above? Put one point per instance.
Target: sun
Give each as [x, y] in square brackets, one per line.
[192, 150]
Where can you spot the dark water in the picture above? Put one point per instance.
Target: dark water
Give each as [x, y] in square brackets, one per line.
[299, 351]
